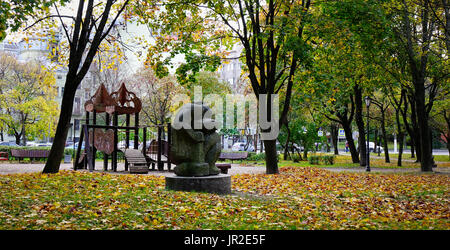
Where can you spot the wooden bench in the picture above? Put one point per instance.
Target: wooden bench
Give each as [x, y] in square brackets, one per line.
[223, 167]
[233, 156]
[136, 160]
[152, 154]
[32, 154]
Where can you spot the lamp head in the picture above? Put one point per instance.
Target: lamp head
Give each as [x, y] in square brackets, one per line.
[367, 100]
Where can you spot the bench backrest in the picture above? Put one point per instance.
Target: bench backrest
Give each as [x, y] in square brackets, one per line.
[29, 153]
[153, 148]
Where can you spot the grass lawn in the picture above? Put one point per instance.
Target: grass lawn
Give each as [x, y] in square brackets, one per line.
[375, 161]
[300, 197]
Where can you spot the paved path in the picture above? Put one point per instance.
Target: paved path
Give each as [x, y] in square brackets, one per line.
[14, 168]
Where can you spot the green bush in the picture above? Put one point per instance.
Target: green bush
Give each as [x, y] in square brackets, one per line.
[321, 159]
[70, 151]
[295, 158]
[313, 159]
[252, 156]
[328, 159]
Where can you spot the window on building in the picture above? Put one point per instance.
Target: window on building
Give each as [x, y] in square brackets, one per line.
[59, 76]
[77, 105]
[62, 91]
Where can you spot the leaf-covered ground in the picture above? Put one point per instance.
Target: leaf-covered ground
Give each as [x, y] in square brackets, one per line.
[297, 198]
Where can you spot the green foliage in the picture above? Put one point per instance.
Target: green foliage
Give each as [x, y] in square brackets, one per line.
[211, 84]
[328, 159]
[27, 99]
[187, 72]
[295, 158]
[15, 13]
[252, 156]
[321, 159]
[313, 159]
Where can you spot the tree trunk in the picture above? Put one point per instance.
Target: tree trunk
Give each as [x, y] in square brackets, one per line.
[407, 127]
[424, 130]
[59, 142]
[448, 146]
[416, 133]
[401, 135]
[17, 136]
[299, 154]
[351, 142]
[360, 125]
[412, 148]
[376, 142]
[385, 143]
[271, 157]
[24, 135]
[334, 138]
[400, 149]
[286, 147]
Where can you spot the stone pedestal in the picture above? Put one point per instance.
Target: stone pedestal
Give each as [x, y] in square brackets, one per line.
[218, 184]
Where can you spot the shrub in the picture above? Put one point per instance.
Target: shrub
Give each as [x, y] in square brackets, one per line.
[321, 159]
[314, 159]
[295, 158]
[252, 156]
[328, 159]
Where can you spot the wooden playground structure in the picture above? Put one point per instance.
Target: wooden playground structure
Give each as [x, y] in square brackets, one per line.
[105, 138]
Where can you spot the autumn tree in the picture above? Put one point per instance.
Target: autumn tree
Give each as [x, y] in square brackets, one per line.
[270, 32]
[15, 13]
[84, 34]
[382, 114]
[27, 99]
[421, 30]
[156, 95]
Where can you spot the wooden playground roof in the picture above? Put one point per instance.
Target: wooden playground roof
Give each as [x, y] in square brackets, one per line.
[121, 101]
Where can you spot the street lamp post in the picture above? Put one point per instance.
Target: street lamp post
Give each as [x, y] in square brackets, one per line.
[367, 99]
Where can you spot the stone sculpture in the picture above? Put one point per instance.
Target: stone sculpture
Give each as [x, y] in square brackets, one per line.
[195, 143]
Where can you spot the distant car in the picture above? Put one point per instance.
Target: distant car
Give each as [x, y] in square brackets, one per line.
[240, 146]
[31, 144]
[122, 144]
[8, 143]
[75, 145]
[372, 146]
[44, 144]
